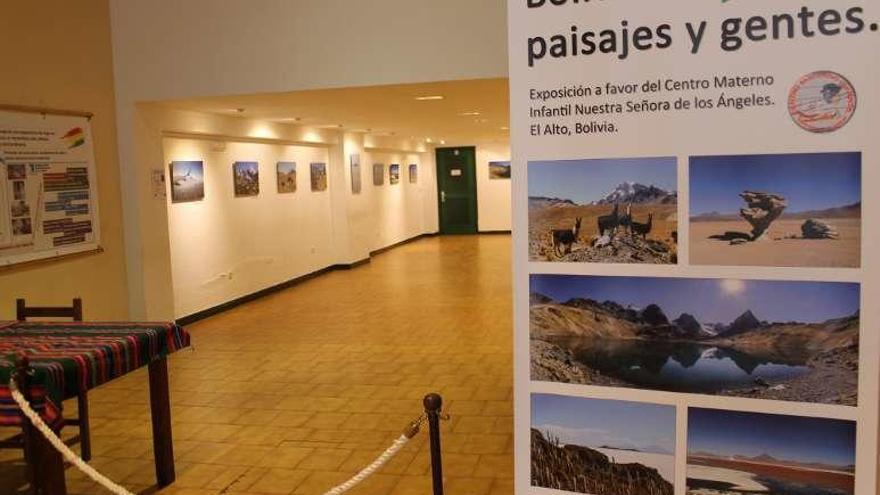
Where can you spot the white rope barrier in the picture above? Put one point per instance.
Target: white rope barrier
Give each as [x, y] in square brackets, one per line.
[372, 468]
[69, 455]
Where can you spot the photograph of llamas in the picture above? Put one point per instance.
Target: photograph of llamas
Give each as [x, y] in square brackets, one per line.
[740, 453]
[246, 178]
[187, 181]
[793, 341]
[286, 177]
[602, 447]
[776, 210]
[604, 211]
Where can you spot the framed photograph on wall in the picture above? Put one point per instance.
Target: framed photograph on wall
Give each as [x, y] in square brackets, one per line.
[286, 177]
[378, 174]
[355, 161]
[394, 174]
[187, 181]
[246, 178]
[319, 176]
[413, 173]
[499, 170]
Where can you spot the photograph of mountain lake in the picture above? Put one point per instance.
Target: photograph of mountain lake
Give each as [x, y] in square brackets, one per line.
[780, 340]
[741, 453]
[602, 447]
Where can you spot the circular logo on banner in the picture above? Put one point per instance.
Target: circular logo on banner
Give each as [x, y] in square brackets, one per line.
[823, 101]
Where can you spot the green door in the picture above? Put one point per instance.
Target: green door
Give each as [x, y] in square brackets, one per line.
[457, 190]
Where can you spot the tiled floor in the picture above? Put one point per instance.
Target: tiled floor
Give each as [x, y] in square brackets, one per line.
[296, 392]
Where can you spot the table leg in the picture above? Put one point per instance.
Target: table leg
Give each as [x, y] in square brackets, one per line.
[45, 465]
[49, 470]
[160, 408]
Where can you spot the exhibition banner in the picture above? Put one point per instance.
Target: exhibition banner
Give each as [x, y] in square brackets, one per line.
[694, 268]
[48, 190]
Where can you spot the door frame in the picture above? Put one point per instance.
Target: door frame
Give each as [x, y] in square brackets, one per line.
[473, 187]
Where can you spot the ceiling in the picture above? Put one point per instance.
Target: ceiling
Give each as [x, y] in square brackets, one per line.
[469, 112]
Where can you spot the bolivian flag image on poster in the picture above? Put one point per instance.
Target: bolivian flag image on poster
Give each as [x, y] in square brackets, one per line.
[48, 194]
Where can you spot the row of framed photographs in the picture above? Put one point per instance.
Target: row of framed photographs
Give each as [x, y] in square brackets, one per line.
[783, 210]
[188, 178]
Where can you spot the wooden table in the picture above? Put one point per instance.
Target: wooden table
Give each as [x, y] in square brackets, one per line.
[66, 358]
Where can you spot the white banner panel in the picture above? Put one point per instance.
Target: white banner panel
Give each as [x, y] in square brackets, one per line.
[48, 189]
[694, 267]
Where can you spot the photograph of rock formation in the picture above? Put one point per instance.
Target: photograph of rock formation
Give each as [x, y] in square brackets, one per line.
[602, 447]
[776, 210]
[743, 453]
[604, 211]
[778, 340]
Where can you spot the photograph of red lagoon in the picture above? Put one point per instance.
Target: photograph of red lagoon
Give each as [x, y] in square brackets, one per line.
[738, 453]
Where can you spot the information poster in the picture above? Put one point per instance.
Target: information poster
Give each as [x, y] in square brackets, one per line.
[48, 194]
[696, 257]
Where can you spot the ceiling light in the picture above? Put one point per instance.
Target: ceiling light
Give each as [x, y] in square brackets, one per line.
[290, 119]
[470, 114]
[505, 128]
[442, 141]
[428, 140]
[429, 98]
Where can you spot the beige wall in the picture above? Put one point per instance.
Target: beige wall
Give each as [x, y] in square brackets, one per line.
[167, 49]
[493, 200]
[58, 54]
[222, 248]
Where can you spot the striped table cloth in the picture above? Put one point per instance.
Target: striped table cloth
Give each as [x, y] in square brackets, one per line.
[70, 357]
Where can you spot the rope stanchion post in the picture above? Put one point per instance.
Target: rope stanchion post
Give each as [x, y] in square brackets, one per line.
[45, 465]
[433, 406]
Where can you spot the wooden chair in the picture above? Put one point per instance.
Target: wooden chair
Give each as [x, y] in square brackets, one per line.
[74, 312]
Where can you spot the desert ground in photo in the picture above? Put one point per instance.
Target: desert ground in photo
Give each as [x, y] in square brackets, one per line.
[659, 247]
[782, 246]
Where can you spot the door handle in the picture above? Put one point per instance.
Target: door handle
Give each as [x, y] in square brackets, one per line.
[442, 196]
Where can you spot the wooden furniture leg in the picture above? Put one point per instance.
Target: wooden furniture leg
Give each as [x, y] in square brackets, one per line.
[85, 431]
[45, 464]
[160, 409]
[49, 471]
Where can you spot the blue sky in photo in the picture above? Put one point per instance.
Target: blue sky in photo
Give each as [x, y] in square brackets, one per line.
[584, 181]
[194, 168]
[613, 423]
[793, 438]
[711, 300]
[286, 167]
[809, 181]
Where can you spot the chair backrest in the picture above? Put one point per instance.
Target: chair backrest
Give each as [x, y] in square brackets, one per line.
[24, 312]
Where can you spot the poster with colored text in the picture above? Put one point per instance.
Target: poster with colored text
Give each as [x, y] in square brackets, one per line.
[48, 190]
[695, 253]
